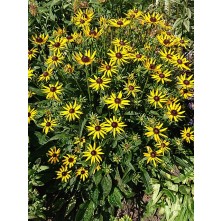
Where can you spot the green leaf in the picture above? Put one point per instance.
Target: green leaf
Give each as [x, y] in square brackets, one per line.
[115, 198]
[37, 91]
[186, 23]
[95, 196]
[170, 194]
[184, 189]
[106, 184]
[177, 22]
[97, 177]
[85, 212]
[42, 138]
[188, 12]
[82, 126]
[146, 177]
[70, 205]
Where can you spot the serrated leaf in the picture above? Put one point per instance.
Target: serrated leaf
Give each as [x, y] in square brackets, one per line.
[106, 184]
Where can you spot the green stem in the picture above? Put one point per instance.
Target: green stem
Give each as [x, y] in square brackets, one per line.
[88, 90]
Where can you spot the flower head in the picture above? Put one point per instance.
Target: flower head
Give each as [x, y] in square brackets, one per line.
[187, 134]
[153, 156]
[69, 160]
[53, 91]
[84, 59]
[48, 124]
[53, 153]
[93, 153]
[156, 132]
[63, 174]
[83, 173]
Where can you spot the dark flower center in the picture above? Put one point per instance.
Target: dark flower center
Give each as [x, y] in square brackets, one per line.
[48, 124]
[57, 44]
[117, 100]
[81, 140]
[92, 32]
[108, 67]
[153, 19]
[70, 160]
[99, 81]
[93, 152]
[69, 37]
[69, 69]
[186, 82]
[156, 98]
[30, 52]
[119, 55]
[174, 112]
[168, 33]
[82, 21]
[179, 61]
[152, 66]
[132, 15]
[153, 154]
[53, 89]
[120, 23]
[136, 10]
[131, 87]
[39, 40]
[54, 58]
[97, 128]
[138, 56]
[161, 75]
[156, 130]
[166, 41]
[64, 173]
[163, 145]
[181, 41]
[114, 124]
[29, 114]
[122, 43]
[185, 91]
[169, 56]
[85, 59]
[45, 74]
[83, 172]
[71, 111]
[188, 135]
[54, 155]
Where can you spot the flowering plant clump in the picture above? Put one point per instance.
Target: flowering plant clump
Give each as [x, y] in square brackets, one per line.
[110, 112]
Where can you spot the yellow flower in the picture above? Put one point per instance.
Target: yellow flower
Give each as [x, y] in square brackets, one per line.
[32, 53]
[30, 73]
[185, 82]
[186, 92]
[114, 125]
[85, 59]
[180, 61]
[58, 44]
[83, 173]
[174, 112]
[181, 42]
[79, 141]
[131, 88]
[39, 40]
[119, 23]
[71, 111]
[53, 91]
[99, 83]
[119, 56]
[108, 68]
[163, 145]
[187, 134]
[68, 68]
[161, 76]
[69, 160]
[153, 156]
[83, 19]
[154, 18]
[166, 40]
[137, 57]
[46, 75]
[92, 33]
[156, 132]
[97, 130]
[30, 94]
[63, 174]
[133, 13]
[31, 114]
[59, 32]
[150, 64]
[120, 43]
[93, 153]
[156, 98]
[55, 59]
[53, 153]
[116, 101]
[167, 55]
[48, 125]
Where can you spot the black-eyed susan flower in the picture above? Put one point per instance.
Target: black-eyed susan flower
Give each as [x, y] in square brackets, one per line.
[71, 111]
[114, 125]
[39, 39]
[93, 153]
[79, 141]
[48, 125]
[137, 57]
[86, 58]
[92, 33]
[119, 56]
[154, 18]
[156, 98]
[180, 61]
[186, 93]
[99, 83]
[53, 91]
[119, 23]
[63, 174]
[182, 42]
[187, 134]
[31, 113]
[83, 173]
[166, 40]
[161, 76]
[133, 13]
[184, 81]
[163, 145]
[131, 88]
[174, 112]
[59, 32]
[108, 68]
[166, 25]
[82, 19]
[55, 59]
[74, 37]
[167, 55]
[116, 101]
[30, 73]
[46, 75]
[53, 155]
[120, 43]
[153, 156]
[69, 160]
[30, 94]
[32, 53]
[150, 64]
[103, 22]
[156, 132]
[97, 130]
[58, 44]
[68, 68]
